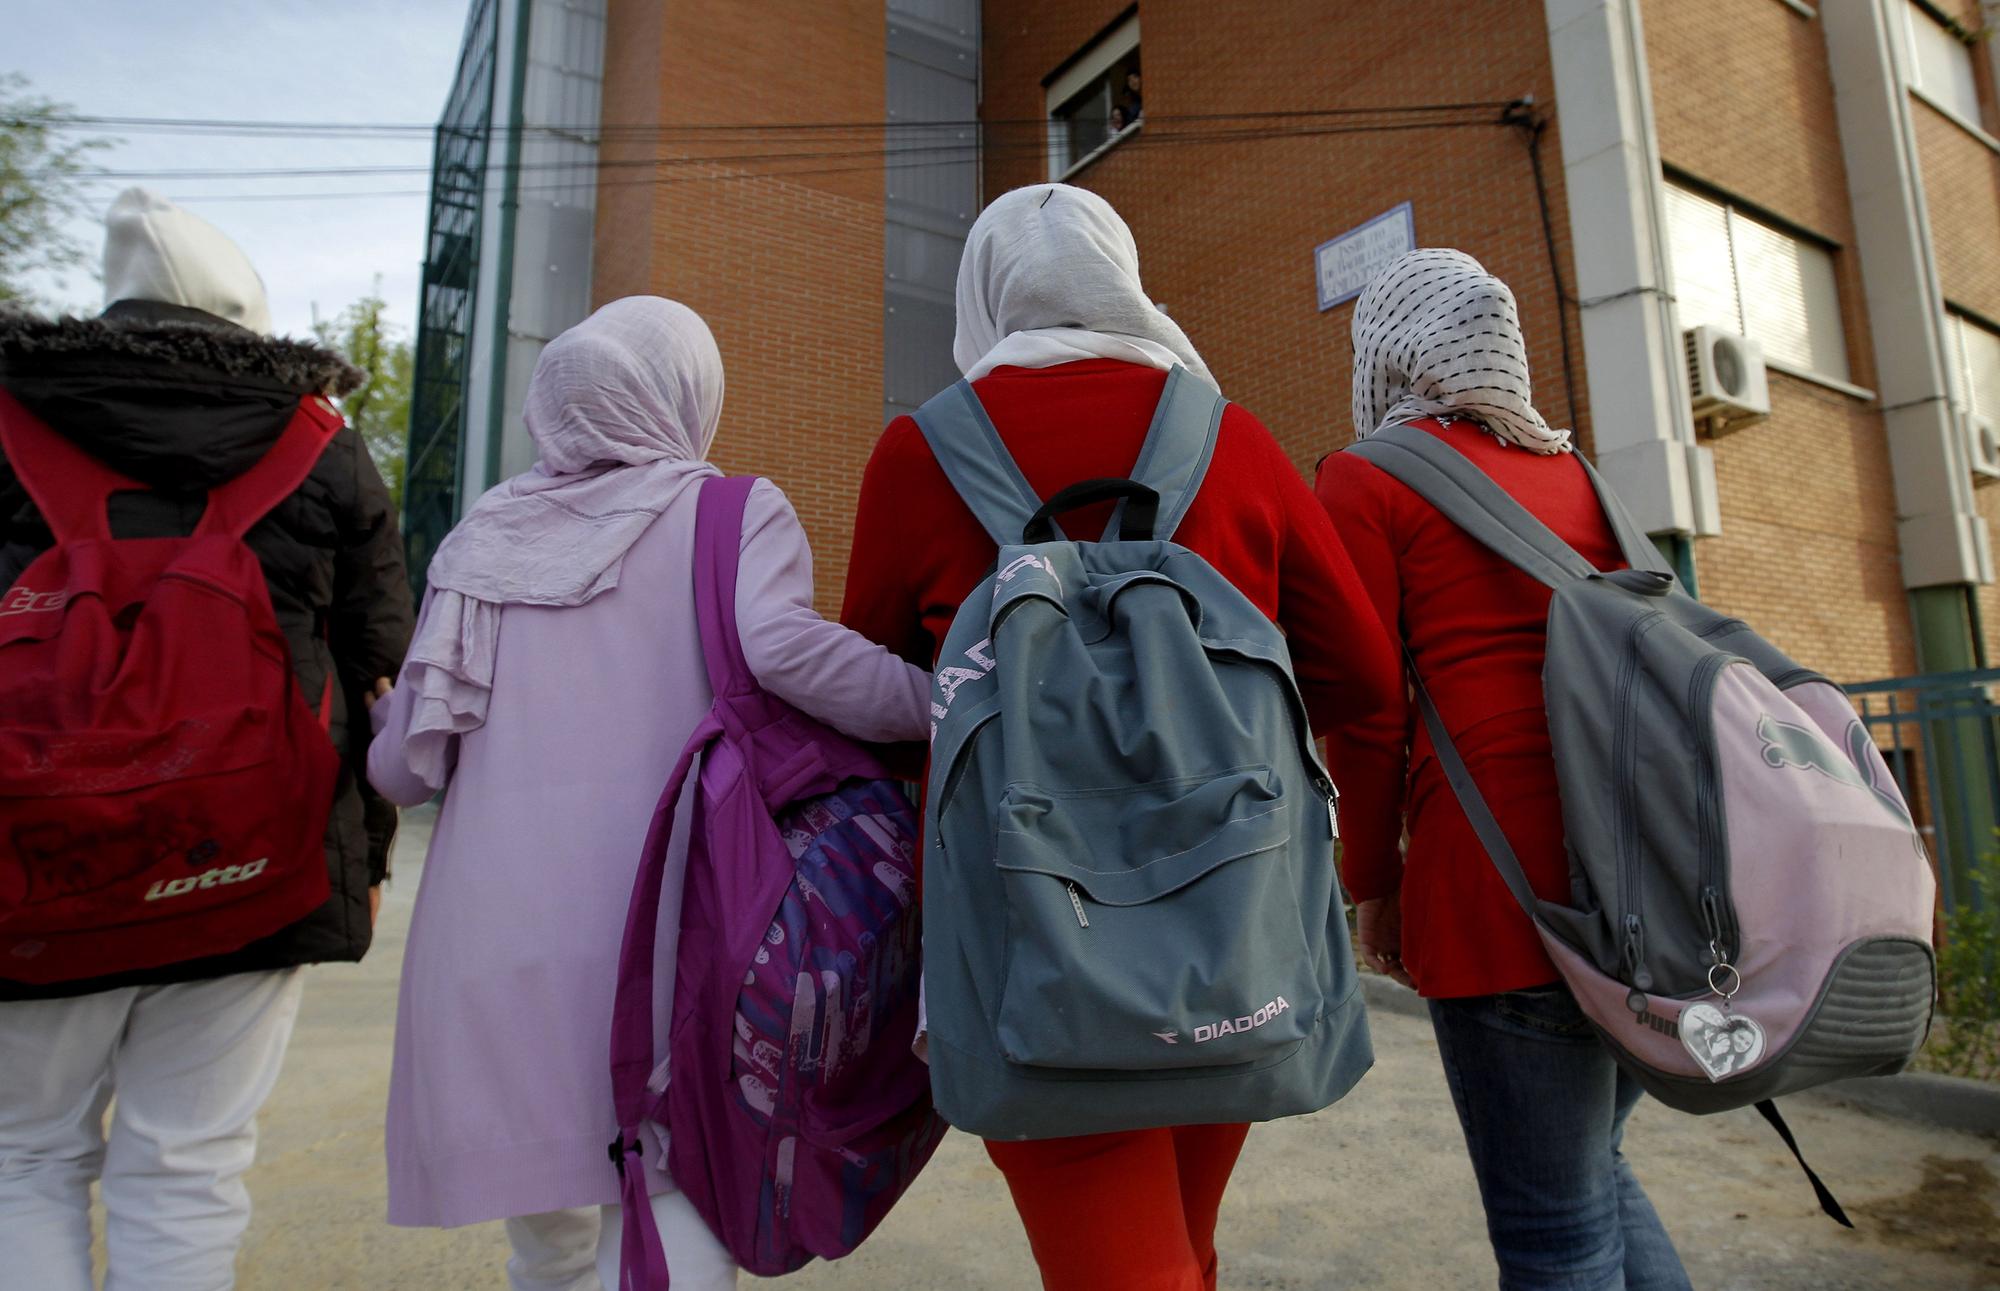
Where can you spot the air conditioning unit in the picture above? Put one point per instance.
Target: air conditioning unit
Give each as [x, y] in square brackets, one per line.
[1982, 446]
[1726, 377]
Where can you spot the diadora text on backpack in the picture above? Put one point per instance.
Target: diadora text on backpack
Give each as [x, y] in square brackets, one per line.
[1131, 914]
[164, 785]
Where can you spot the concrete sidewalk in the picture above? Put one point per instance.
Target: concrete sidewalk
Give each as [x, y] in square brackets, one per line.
[1373, 1193]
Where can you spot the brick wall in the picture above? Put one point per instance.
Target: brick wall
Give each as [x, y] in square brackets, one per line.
[781, 255]
[1808, 550]
[1226, 231]
[622, 249]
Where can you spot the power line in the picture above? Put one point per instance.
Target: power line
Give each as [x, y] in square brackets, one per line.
[877, 164]
[374, 129]
[942, 152]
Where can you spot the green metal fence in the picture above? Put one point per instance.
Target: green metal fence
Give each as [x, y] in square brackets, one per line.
[1941, 735]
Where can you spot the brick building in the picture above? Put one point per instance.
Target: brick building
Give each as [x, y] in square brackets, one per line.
[1819, 178]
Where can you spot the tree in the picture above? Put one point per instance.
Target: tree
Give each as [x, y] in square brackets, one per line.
[380, 407]
[42, 174]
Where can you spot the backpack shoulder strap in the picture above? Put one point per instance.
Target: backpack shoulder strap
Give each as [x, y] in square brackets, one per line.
[1179, 446]
[235, 508]
[718, 549]
[69, 487]
[1485, 825]
[1640, 553]
[977, 463]
[1468, 497]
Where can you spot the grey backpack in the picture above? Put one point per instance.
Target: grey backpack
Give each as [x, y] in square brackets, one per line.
[1131, 917]
[1751, 902]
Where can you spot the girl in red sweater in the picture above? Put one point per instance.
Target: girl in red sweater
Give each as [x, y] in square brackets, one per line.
[1437, 344]
[1068, 357]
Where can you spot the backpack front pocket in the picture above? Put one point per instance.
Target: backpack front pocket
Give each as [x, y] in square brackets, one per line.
[1153, 926]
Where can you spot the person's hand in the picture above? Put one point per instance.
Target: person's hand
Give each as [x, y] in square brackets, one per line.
[381, 692]
[1378, 926]
[374, 904]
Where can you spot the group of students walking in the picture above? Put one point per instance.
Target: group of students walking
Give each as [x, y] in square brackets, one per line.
[556, 670]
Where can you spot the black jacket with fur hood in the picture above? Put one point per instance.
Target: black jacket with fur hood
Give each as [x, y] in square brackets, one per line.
[182, 402]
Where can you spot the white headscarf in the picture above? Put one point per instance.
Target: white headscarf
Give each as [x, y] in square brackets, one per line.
[622, 408]
[1437, 336]
[1051, 275]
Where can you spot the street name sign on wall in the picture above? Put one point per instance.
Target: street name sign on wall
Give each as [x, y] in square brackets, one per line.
[1349, 262]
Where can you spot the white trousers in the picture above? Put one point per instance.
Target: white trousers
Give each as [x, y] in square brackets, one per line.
[188, 1066]
[577, 1250]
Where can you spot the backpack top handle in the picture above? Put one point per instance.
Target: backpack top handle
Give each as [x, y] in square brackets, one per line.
[1137, 517]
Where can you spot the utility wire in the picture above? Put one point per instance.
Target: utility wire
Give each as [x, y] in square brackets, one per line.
[371, 129]
[940, 152]
[735, 172]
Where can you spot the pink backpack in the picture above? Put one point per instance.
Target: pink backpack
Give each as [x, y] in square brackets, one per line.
[796, 1113]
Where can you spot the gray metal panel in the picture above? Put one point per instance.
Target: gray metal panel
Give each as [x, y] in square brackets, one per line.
[916, 330]
[555, 219]
[959, 17]
[931, 189]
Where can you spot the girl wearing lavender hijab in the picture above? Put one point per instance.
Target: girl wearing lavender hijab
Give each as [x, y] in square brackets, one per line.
[555, 676]
[1438, 346]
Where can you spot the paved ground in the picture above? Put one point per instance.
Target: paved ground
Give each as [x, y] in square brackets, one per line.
[1374, 1193]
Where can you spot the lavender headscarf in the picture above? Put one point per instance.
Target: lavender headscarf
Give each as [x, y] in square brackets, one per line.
[622, 408]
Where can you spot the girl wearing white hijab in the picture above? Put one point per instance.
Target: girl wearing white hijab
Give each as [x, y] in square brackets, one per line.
[1438, 345]
[1068, 357]
[556, 674]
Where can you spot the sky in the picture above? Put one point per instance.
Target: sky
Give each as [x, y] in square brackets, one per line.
[344, 61]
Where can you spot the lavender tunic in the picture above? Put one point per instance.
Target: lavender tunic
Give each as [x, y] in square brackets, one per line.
[500, 1104]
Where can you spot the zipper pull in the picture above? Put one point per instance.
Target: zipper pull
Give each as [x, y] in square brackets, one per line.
[1076, 901]
[1332, 797]
[1711, 917]
[1635, 954]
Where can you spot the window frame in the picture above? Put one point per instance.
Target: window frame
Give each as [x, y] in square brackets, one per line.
[1917, 12]
[1964, 396]
[1733, 210]
[1073, 77]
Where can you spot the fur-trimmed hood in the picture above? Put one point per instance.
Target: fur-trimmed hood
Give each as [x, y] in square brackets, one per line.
[174, 398]
[174, 335]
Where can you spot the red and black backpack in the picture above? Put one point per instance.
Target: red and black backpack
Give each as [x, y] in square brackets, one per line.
[164, 786]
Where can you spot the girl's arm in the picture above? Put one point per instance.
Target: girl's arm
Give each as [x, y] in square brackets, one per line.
[812, 663]
[1369, 752]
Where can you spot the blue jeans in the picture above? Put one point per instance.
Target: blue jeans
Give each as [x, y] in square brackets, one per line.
[1543, 1107]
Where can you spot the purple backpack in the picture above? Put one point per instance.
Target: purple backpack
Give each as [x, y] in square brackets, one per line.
[795, 1111]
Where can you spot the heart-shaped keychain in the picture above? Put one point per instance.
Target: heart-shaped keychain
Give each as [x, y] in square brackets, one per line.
[1724, 1043]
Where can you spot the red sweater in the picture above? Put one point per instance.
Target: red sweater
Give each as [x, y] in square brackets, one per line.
[1477, 628]
[918, 552]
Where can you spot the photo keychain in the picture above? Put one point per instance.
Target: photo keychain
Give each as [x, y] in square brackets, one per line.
[1723, 1041]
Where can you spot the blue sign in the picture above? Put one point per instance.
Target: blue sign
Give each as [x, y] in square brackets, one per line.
[1346, 264]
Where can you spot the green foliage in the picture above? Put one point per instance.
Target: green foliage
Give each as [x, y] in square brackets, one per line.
[380, 407]
[1966, 1038]
[42, 169]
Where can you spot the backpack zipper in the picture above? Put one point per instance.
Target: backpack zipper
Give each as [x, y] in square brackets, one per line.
[1715, 918]
[1630, 896]
[1332, 797]
[1076, 901]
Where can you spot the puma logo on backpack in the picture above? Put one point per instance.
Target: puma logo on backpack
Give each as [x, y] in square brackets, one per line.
[1732, 934]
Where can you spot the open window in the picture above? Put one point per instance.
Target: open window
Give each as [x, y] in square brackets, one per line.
[1095, 99]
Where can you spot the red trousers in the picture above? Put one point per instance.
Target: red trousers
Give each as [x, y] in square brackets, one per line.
[1123, 1212]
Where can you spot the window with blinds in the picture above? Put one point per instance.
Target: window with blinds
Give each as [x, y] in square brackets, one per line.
[1975, 353]
[1940, 63]
[1734, 271]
